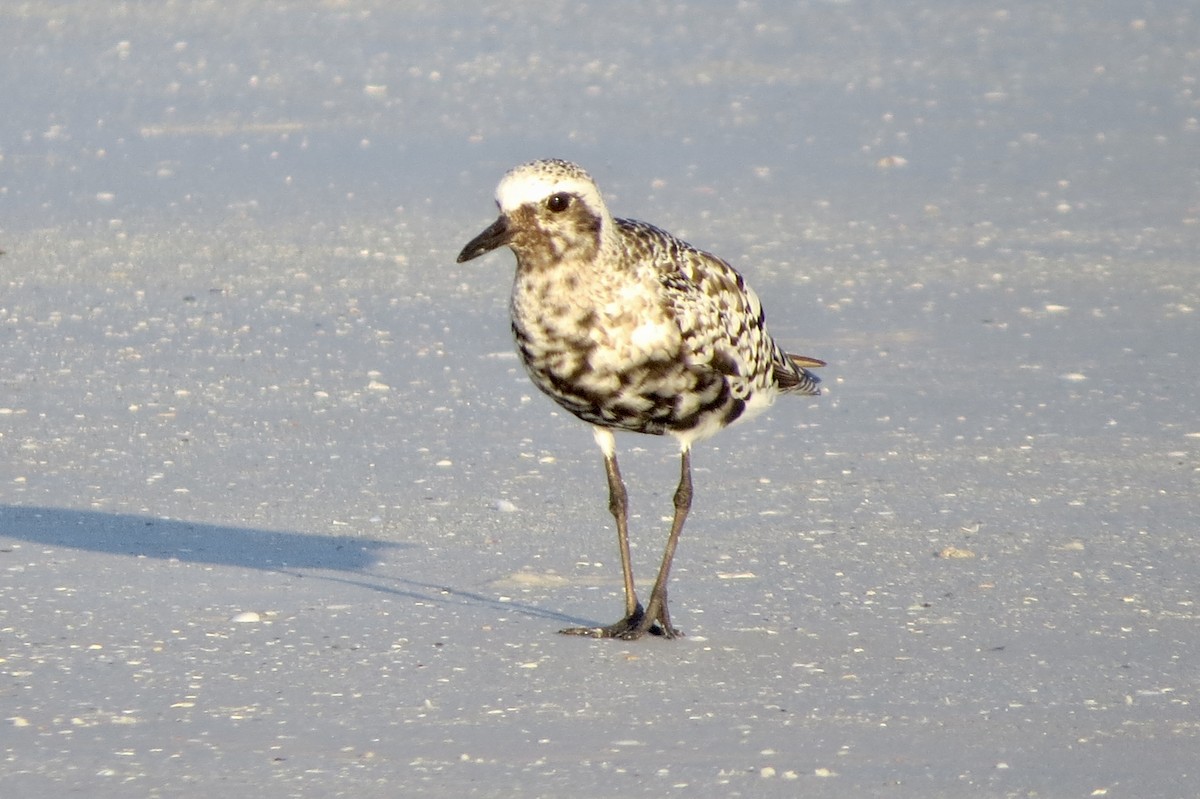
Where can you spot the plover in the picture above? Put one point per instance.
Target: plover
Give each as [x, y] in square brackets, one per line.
[630, 328]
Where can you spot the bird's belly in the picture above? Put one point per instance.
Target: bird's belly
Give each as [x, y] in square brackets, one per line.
[629, 387]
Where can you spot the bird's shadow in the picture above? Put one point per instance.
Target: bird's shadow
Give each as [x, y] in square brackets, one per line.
[300, 554]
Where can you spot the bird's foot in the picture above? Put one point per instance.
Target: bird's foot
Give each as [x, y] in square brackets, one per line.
[630, 628]
[626, 628]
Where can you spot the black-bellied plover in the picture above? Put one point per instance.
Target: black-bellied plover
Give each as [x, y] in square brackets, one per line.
[629, 328]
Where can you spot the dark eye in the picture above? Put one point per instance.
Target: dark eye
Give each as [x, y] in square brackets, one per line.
[558, 202]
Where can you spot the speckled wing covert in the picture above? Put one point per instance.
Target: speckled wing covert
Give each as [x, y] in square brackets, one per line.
[721, 318]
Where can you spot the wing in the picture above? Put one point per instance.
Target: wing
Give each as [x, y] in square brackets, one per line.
[720, 317]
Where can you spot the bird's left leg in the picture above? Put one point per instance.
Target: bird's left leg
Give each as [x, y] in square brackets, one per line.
[658, 619]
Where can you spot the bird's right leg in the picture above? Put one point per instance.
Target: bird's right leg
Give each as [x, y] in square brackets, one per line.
[618, 506]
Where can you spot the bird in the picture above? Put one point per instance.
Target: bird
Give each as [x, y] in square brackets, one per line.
[632, 329]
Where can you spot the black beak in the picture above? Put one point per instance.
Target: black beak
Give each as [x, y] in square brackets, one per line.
[497, 235]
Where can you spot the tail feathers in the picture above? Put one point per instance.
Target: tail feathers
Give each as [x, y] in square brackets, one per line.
[804, 360]
[794, 378]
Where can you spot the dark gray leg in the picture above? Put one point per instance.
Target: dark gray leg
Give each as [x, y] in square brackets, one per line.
[658, 619]
[618, 505]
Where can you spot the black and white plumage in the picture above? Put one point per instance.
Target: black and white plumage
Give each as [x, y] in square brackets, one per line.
[629, 328]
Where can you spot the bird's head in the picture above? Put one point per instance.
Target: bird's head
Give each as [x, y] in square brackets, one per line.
[550, 210]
